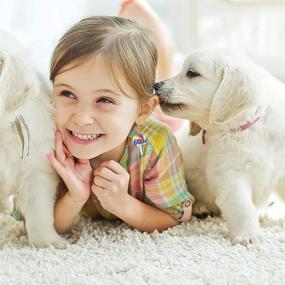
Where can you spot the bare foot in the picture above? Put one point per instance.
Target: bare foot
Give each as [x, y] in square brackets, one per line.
[141, 11]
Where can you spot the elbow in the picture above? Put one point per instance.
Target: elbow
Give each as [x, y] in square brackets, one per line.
[62, 230]
[163, 227]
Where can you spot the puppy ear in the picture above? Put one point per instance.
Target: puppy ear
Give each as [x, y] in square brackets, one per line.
[194, 129]
[17, 83]
[233, 98]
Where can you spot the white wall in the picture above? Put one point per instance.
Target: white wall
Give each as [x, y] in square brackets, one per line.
[256, 27]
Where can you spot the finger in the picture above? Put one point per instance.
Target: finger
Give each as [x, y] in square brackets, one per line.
[113, 166]
[101, 182]
[56, 165]
[97, 191]
[59, 153]
[105, 173]
[83, 161]
[66, 151]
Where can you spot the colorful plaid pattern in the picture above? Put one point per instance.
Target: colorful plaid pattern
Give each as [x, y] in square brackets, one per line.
[156, 171]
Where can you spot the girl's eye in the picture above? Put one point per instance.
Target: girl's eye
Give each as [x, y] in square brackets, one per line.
[67, 94]
[105, 100]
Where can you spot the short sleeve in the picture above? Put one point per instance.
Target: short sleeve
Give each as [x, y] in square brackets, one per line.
[164, 182]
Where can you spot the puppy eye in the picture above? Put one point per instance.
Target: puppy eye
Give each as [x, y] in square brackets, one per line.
[191, 73]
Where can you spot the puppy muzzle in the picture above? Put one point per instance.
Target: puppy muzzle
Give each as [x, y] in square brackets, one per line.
[158, 85]
[162, 91]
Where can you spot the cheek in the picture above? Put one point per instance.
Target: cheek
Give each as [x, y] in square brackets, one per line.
[58, 120]
[120, 121]
[128, 111]
[202, 86]
[61, 114]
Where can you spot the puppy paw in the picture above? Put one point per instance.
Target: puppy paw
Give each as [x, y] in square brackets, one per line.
[246, 237]
[59, 243]
[51, 239]
[200, 211]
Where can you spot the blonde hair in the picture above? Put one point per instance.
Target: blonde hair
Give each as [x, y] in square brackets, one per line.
[121, 42]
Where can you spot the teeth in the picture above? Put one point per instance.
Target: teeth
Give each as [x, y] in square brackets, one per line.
[84, 137]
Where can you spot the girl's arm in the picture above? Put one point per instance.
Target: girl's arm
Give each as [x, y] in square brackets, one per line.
[144, 217]
[65, 212]
[76, 174]
[110, 186]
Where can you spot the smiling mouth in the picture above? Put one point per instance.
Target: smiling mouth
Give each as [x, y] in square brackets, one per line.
[83, 138]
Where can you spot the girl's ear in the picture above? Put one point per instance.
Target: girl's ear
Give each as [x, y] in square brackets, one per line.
[147, 108]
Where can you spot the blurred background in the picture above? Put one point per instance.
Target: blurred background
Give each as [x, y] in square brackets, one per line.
[254, 26]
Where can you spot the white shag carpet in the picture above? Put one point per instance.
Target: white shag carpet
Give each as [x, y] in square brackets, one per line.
[101, 252]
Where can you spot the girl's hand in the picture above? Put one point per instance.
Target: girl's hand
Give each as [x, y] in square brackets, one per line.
[110, 185]
[76, 173]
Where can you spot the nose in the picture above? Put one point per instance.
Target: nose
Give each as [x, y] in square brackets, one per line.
[157, 86]
[83, 116]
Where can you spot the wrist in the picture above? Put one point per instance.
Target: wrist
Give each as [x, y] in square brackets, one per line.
[124, 207]
[74, 201]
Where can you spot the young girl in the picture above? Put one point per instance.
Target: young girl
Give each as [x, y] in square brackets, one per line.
[114, 160]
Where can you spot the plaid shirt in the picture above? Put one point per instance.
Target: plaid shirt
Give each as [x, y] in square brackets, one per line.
[156, 172]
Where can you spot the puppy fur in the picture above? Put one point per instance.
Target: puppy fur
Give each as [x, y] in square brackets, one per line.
[235, 171]
[30, 179]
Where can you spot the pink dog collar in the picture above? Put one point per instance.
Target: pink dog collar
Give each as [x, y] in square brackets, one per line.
[245, 126]
[241, 128]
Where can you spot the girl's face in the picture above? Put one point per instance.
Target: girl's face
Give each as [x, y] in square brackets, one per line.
[93, 115]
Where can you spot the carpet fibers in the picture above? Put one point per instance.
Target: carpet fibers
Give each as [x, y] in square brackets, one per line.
[101, 252]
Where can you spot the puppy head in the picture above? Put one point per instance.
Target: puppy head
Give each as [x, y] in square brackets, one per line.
[18, 82]
[215, 87]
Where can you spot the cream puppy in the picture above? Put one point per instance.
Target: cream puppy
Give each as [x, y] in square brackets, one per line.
[237, 110]
[27, 134]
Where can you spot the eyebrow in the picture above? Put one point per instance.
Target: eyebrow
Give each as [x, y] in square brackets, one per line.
[63, 85]
[95, 91]
[108, 91]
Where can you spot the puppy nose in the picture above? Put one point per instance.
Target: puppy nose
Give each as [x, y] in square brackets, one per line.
[158, 85]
